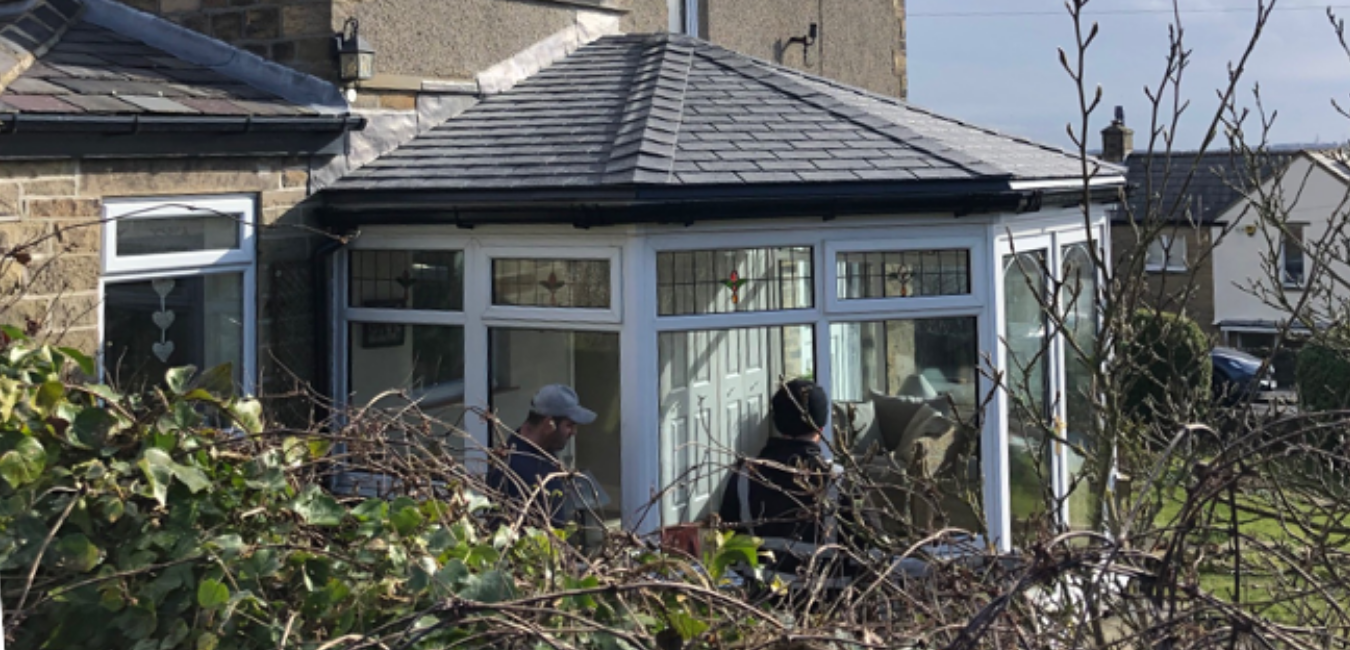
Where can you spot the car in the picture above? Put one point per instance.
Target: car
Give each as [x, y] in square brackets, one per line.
[1236, 377]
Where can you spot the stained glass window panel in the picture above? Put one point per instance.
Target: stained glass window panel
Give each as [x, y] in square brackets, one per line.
[734, 280]
[903, 274]
[430, 280]
[576, 284]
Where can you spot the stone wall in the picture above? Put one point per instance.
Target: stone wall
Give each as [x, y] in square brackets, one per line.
[1190, 292]
[59, 204]
[297, 33]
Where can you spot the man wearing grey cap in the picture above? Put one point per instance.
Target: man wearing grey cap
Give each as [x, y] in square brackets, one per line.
[555, 413]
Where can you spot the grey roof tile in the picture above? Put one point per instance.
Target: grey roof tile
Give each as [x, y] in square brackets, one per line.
[85, 68]
[672, 110]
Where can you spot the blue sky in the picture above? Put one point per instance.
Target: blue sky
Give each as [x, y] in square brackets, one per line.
[1002, 71]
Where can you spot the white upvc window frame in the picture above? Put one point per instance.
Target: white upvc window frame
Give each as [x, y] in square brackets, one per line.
[1285, 280]
[683, 17]
[1173, 248]
[487, 254]
[139, 268]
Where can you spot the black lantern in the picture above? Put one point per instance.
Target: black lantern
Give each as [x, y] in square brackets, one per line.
[356, 59]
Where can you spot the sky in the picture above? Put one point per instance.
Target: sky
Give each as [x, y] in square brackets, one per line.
[994, 63]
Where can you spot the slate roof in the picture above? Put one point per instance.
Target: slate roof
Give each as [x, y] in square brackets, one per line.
[1220, 179]
[55, 60]
[673, 111]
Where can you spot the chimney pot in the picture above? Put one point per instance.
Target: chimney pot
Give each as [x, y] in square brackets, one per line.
[1117, 139]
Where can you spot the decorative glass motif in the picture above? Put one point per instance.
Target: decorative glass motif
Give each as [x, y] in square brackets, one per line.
[574, 284]
[163, 319]
[734, 280]
[904, 274]
[429, 280]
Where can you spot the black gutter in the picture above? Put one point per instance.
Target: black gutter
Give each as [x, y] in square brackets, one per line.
[27, 137]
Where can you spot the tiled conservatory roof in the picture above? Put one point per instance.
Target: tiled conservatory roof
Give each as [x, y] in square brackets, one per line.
[673, 111]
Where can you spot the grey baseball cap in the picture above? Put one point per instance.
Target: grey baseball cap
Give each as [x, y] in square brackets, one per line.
[559, 401]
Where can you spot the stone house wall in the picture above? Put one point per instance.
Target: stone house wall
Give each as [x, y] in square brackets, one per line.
[60, 203]
[1190, 292]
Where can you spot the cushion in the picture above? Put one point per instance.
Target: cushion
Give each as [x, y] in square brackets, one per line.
[855, 425]
[917, 386]
[903, 420]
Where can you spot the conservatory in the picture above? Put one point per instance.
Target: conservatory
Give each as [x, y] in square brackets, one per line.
[672, 229]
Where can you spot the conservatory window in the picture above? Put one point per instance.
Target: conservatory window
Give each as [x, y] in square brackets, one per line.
[903, 274]
[1025, 333]
[388, 279]
[177, 288]
[1078, 297]
[413, 371]
[560, 283]
[522, 361]
[734, 280]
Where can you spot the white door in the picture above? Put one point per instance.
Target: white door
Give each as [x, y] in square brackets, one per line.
[714, 404]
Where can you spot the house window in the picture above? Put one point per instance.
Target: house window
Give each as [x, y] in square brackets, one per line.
[570, 283]
[903, 274]
[414, 374]
[178, 284]
[734, 280]
[524, 360]
[1291, 257]
[715, 390]
[1166, 253]
[907, 383]
[1025, 334]
[684, 17]
[428, 280]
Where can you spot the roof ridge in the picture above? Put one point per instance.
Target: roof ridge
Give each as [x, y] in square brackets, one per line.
[643, 149]
[774, 78]
[20, 55]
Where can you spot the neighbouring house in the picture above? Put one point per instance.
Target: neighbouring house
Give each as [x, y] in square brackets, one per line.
[155, 180]
[667, 224]
[1216, 259]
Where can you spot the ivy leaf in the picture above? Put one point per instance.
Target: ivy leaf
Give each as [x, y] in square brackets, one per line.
[212, 594]
[735, 548]
[687, 626]
[406, 520]
[90, 427]
[218, 382]
[84, 361]
[49, 394]
[230, 545]
[248, 414]
[24, 463]
[207, 641]
[77, 553]
[9, 397]
[103, 392]
[160, 470]
[178, 379]
[317, 508]
[490, 587]
[371, 509]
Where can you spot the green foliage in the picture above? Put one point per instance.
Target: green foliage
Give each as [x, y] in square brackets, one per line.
[1323, 375]
[156, 522]
[1169, 374]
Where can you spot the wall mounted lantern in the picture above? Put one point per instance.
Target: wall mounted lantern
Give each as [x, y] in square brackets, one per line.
[356, 58]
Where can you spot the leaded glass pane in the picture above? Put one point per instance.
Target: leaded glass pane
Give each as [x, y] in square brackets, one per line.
[430, 280]
[576, 284]
[734, 280]
[903, 274]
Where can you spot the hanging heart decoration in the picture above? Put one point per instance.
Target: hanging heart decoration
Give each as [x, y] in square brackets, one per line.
[162, 350]
[162, 286]
[163, 319]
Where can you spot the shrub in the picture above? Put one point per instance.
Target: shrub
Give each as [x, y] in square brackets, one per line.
[1323, 377]
[1169, 372]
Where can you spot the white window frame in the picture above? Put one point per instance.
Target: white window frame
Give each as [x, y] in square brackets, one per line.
[488, 254]
[139, 268]
[683, 17]
[1172, 247]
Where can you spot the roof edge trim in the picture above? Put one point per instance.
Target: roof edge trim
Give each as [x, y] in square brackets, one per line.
[289, 84]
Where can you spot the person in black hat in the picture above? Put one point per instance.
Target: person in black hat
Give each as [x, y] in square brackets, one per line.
[782, 494]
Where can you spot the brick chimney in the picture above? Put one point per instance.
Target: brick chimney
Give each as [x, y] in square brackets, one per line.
[1117, 139]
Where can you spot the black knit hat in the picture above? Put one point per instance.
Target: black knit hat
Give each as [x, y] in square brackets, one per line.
[794, 403]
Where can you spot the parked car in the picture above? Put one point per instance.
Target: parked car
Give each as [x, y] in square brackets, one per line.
[1236, 377]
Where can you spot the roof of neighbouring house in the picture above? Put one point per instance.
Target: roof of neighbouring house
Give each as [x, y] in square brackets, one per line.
[1219, 179]
[98, 62]
[669, 111]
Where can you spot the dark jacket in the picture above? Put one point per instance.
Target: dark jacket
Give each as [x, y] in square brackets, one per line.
[527, 466]
[783, 502]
